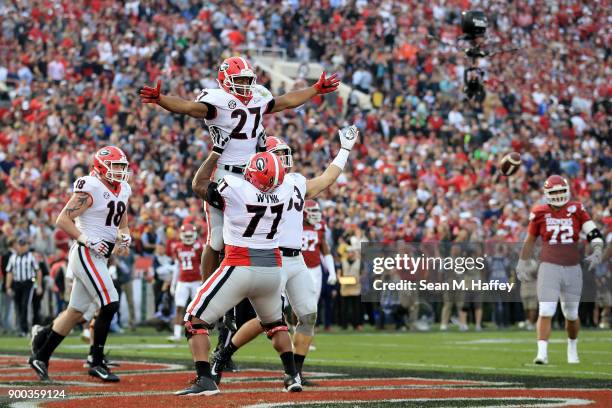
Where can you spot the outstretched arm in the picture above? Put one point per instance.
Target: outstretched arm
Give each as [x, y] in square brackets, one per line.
[294, 99]
[201, 180]
[172, 104]
[348, 137]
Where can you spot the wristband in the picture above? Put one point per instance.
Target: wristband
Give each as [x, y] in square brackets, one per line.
[341, 158]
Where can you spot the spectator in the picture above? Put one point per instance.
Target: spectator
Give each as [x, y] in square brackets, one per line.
[351, 311]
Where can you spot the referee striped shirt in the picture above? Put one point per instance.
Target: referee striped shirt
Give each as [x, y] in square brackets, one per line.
[23, 267]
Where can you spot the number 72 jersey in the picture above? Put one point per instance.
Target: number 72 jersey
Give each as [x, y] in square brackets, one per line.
[108, 208]
[559, 230]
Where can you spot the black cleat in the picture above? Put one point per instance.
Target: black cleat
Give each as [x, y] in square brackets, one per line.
[103, 372]
[307, 383]
[40, 367]
[89, 362]
[231, 367]
[200, 386]
[39, 337]
[217, 366]
[292, 383]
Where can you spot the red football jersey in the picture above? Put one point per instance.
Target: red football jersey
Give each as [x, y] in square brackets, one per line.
[312, 237]
[559, 230]
[188, 257]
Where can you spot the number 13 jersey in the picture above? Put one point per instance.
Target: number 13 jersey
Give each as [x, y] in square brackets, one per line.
[102, 219]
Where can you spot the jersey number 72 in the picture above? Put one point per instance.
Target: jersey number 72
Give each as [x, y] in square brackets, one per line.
[260, 211]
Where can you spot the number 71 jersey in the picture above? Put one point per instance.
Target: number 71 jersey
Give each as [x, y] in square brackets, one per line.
[559, 230]
[251, 218]
[108, 208]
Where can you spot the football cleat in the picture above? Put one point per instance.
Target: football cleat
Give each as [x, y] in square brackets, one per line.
[104, 373]
[105, 361]
[572, 356]
[292, 383]
[173, 339]
[200, 386]
[39, 336]
[540, 360]
[217, 366]
[306, 382]
[40, 368]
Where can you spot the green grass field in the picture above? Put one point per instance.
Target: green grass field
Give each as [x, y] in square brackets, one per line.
[488, 353]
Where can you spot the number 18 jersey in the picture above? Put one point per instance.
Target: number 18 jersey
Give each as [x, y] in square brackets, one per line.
[102, 219]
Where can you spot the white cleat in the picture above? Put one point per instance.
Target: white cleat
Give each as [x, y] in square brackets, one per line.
[173, 339]
[540, 360]
[572, 357]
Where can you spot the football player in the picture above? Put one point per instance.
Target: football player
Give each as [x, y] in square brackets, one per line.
[558, 223]
[297, 283]
[235, 110]
[96, 218]
[253, 207]
[186, 279]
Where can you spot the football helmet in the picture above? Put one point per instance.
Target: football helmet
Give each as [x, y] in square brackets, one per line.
[312, 211]
[556, 191]
[111, 164]
[265, 171]
[278, 146]
[188, 234]
[233, 68]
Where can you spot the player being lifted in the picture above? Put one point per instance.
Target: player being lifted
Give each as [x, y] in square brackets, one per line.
[559, 223]
[297, 281]
[95, 217]
[186, 278]
[234, 110]
[253, 207]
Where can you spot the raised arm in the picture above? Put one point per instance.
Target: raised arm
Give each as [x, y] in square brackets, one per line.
[172, 104]
[201, 180]
[348, 137]
[294, 99]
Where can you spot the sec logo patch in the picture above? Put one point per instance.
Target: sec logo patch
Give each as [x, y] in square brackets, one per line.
[106, 195]
[231, 104]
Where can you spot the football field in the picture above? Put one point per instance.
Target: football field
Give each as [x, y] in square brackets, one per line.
[490, 368]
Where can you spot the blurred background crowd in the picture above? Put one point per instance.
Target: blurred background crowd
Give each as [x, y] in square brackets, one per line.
[425, 169]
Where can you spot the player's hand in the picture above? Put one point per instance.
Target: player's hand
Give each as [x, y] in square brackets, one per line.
[125, 240]
[348, 136]
[327, 85]
[219, 139]
[595, 258]
[97, 245]
[39, 290]
[262, 141]
[9, 292]
[150, 95]
[331, 279]
[525, 270]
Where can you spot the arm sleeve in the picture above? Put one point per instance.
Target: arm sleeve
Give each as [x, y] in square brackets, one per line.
[270, 106]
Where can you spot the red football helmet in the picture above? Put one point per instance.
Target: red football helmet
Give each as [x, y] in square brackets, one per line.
[188, 234]
[556, 191]
[111, 164]
[265, 171]
[313, 212]
[233, 68]
[278, 146]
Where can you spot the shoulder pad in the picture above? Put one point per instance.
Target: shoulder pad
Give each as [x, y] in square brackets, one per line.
[86, 184]
[262, 91]
[215, 96]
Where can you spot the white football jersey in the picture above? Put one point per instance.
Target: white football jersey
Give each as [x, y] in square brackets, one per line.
[251, 218]
[102, 219]
[293, 216]
[244, 123]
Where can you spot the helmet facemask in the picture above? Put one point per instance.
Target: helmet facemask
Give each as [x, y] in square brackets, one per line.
[283, 152]
[313, 216]
[557, 196]
[241, 89]
[117, 171]
[188, 237]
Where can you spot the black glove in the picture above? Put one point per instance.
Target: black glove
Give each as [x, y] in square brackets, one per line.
[213, 197]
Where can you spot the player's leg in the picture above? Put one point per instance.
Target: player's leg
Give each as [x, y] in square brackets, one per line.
[181, 295]
[570, 300]
[548, 290]
[221, 291]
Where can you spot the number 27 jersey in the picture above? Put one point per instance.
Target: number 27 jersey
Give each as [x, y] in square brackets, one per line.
[108, 208]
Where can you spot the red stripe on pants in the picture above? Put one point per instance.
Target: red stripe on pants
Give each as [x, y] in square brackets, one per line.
[88, 256]
[206, 286]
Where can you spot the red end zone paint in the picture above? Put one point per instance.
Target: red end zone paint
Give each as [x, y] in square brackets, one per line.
[152, 385]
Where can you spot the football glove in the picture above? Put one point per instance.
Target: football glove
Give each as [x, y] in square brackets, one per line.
[595, 258]
[261, 142]
[213, 197]
[125, 240]
[97, 245]
[348, 136]
[150, 95]
[331, 279]
[327, 85]
[219, 139]
[525, 270]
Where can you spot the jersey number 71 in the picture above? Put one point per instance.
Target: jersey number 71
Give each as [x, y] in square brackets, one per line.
[260, 211]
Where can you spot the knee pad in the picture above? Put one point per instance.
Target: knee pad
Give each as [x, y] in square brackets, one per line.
[272, 328]
[196, 329]
[108, 311]
[547, 309]
[306, 324]
[570, 310]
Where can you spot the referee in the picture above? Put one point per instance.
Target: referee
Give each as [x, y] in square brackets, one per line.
[21, 273]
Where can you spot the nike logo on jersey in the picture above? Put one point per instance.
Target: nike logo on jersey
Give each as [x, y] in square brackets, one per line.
[267, 198]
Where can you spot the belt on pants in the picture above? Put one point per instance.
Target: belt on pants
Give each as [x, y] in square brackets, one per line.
[289, 252]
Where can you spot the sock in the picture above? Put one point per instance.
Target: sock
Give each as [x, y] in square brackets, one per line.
[543, 348]
[91, 350]
[203, 369]
[289, 363]
[299, 362]
[177, 330]
[97, 354]
[54, 340]
[572, 343]
[228, 351]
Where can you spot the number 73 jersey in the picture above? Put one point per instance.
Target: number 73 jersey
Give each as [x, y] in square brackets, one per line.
[559, 230]
[108, 208]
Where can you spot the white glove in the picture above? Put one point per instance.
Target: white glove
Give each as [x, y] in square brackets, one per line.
[125, 240]
[331, 269]
[219, 139]
[97, 245]
[525, 270]
[348, 136]
[262, 141]
[172, 290]
[595, 258]
[331, 279]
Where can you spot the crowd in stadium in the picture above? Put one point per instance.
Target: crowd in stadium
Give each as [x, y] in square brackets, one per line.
[426, 165]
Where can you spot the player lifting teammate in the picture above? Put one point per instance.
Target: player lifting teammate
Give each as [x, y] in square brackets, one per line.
[559, 223]
[96, 218]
